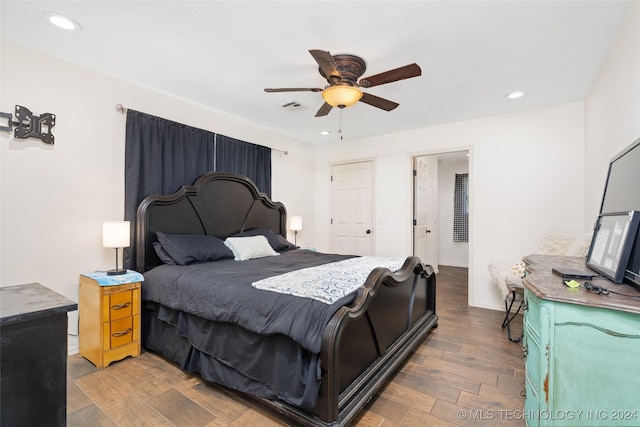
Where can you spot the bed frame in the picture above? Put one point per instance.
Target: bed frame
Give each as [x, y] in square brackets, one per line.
[363, 344]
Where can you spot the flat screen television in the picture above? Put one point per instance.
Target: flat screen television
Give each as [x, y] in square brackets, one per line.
[622, 194]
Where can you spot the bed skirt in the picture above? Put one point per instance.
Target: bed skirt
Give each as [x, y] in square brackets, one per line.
[272, 367]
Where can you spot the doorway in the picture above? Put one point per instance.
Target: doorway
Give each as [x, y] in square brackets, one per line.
[434, 189]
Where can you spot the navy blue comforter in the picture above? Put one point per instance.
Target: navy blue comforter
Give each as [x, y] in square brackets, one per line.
[222, 291]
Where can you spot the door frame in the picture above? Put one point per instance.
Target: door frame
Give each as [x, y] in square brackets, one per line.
[411, 207]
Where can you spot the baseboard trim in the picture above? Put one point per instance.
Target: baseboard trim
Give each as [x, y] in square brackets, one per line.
[73, 346]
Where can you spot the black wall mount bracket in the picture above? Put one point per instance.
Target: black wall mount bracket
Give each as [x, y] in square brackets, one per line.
[29, 125]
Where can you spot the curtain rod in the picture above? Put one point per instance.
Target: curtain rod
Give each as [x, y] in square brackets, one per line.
[122, 109]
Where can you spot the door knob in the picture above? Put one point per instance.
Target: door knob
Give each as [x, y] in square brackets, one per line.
[368, 231]
[428, 231]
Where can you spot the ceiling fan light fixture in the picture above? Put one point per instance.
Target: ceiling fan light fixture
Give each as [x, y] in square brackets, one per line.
[341, 95]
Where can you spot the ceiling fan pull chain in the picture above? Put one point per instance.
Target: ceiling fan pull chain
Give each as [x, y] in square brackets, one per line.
[340, 123]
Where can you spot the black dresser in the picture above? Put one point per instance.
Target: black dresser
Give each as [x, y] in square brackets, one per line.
[33, 356]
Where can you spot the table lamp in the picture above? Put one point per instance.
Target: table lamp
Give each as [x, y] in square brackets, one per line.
[295, 224]
[116, 234]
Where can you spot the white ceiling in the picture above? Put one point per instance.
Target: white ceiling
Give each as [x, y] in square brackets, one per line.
[222, 54]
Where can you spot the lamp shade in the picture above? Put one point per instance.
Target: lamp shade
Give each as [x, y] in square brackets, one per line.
[295, 223]
[341, 96]
[116, 234]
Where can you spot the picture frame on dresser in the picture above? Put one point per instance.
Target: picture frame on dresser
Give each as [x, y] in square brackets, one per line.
[612, 242]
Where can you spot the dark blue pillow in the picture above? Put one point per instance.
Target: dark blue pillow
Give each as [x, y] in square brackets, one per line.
[162, 254]
[187, 249]
[277, 242]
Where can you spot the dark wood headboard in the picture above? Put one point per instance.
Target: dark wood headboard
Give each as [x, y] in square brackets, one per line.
[217, 204]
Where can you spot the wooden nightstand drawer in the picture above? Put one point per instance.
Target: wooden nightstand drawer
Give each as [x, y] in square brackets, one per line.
[109, 318]
[120, 305]
[117, 333]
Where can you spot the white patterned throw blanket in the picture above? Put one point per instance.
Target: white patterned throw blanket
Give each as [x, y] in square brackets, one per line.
[329, 282]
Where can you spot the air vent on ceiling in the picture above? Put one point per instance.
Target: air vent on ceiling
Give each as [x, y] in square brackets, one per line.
[292, 106]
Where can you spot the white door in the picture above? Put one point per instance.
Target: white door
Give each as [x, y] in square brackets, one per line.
[425, 205]
[352, 208]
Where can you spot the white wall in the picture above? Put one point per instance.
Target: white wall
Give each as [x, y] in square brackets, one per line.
[455, 254]
[55, 198]
[526, 172]
[612, 110]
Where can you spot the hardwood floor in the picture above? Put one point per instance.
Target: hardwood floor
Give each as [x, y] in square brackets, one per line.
[466, 373]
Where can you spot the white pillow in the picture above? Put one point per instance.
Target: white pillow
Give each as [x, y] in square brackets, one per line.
[245, 248]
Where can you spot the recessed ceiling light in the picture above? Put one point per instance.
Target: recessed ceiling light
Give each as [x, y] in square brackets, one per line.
[515, 94]
[62, 21]
[325, 132]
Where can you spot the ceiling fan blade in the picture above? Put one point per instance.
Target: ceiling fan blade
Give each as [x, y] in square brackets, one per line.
[293, 89]
[324, 110]
[406, 72]
[326, 62]
[376, 101]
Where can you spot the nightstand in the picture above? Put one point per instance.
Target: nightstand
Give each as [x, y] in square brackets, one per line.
[109, 312]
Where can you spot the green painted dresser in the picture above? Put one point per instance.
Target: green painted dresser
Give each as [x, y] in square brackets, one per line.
[582, 350]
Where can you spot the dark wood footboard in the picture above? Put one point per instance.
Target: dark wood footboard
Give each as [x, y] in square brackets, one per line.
[365, 343]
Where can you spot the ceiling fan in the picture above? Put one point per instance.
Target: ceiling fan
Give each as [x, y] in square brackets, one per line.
[342, 73]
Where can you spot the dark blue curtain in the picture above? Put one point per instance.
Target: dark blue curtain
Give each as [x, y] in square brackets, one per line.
[250, 160]
[162, 155]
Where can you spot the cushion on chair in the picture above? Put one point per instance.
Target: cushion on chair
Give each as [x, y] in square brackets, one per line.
[564, 244]
[509, 279]
[504, 278]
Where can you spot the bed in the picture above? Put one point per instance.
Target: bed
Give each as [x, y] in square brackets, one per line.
[318, 362]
